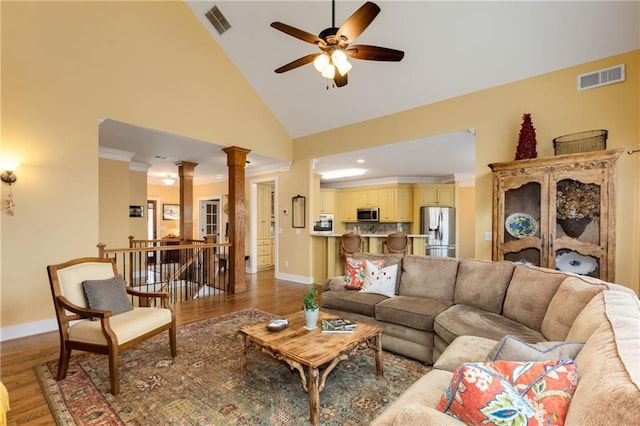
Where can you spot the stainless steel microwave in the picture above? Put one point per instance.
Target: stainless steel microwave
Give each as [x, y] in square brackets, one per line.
[369, 215]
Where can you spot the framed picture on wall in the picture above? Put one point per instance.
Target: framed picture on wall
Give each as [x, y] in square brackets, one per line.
[136, 211]
[171, 212]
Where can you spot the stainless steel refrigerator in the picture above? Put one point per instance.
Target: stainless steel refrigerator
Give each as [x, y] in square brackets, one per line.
[439, 225]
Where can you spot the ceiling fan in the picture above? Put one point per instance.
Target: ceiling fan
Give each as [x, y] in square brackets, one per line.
[335, 47]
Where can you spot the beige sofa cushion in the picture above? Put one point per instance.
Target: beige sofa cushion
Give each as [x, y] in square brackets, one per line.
[414, 312]
[427, 391]
[608, 390]
[482, 283]
[588, 320]
[419, 414]
[464, 349]
[529, 294]
[572, 296]
[351, 301]
[463, 320]
[428, 276]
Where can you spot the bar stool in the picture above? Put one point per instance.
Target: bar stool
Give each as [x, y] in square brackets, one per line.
[396, 242]
[350, 243]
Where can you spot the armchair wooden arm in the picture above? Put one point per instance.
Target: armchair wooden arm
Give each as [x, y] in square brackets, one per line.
[146, 295]
[150, 294]
[79, 310]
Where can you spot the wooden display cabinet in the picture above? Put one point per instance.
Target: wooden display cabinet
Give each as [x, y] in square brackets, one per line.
[527, 221]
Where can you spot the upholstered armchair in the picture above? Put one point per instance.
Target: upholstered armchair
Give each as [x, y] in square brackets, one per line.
[95, 313]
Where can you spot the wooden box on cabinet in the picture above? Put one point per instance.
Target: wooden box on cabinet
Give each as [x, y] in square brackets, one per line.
[525, 192]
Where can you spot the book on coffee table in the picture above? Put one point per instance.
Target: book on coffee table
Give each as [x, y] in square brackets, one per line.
[338, 325]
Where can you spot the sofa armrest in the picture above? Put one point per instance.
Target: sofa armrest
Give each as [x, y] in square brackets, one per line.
[334, 284]
[419, 414]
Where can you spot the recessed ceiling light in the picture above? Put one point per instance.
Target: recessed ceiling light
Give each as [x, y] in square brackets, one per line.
[343, 173]
[360, 160]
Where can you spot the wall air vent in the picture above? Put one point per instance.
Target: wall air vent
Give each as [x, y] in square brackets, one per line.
[601, 77]
[218, 20]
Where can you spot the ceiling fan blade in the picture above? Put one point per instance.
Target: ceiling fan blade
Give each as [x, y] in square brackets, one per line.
[374, 53]
[297, 63]
[340, 80]
[297, 33]
[358, 22]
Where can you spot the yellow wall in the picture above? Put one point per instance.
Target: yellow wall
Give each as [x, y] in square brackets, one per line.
[113, 203]
[466, 203]
[557, 108]
[65, 65]
[138, 197]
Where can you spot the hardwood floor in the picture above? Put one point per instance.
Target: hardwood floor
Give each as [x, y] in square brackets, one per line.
[18, 356]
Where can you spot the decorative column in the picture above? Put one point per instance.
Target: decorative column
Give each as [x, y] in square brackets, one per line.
[186, 172]
[236, 162]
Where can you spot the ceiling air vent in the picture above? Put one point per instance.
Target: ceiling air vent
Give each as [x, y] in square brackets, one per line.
[218, 20]
[601, 77]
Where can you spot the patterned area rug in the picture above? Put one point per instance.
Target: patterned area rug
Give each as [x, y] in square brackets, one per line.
[203, 386]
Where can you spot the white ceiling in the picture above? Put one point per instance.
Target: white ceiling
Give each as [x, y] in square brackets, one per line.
[451, 48]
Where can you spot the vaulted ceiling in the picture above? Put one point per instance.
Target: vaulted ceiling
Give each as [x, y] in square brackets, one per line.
[451, 48]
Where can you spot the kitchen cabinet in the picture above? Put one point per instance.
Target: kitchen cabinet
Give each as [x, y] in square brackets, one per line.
[441, 195]
[327, 201]
[404, 204]
[532, 200]
[265, 225]
[265, 260]
[347, 205]
[367, 198]
[396, 203]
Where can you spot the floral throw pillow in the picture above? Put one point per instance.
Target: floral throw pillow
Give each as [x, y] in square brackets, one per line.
[380, 280]
[356, 271]
[514, 393]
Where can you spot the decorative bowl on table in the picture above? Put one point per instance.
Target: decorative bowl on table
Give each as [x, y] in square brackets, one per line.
[520, 225]
[278, 324]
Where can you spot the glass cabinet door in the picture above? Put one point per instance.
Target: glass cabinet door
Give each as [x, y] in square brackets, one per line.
[576, 215]
[523, 219]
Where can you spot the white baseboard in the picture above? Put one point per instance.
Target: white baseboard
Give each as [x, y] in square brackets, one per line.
[295, 278]
[28, 329]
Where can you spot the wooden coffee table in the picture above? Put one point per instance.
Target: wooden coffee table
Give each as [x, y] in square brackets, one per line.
[312, 349]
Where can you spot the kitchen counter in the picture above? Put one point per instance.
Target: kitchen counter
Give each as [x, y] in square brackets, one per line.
[326, 251]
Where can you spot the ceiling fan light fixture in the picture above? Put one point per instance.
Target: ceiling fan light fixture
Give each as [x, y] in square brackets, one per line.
[344, 67]
[321, 62]
[338, 57]
[329, 72]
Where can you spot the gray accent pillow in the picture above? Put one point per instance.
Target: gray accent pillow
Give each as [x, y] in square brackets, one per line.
[108, 295]
[510, 348]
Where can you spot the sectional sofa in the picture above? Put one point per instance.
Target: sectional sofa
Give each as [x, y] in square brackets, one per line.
[448, 312]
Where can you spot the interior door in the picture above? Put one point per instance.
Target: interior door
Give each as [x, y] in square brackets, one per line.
[209, 219]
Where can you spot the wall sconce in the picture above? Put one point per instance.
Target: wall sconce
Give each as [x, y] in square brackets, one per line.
[8, 176]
